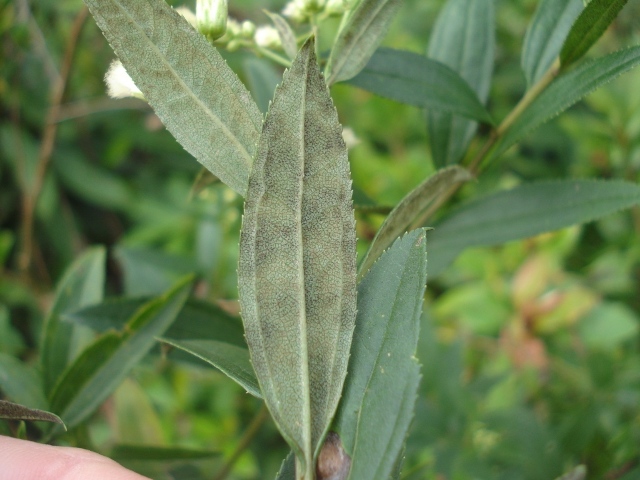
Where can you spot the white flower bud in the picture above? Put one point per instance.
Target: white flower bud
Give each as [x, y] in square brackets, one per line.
[119, 83]
[248, 29]
[296, 10]
[336, 7]
[266, 36]
[349, 137]
[211, 16]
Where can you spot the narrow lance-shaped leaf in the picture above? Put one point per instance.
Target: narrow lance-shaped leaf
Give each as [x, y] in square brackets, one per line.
[378, 399]
[82, 285]
[567, 90]
[588, 28]
[409, 208]
[232, 360]
[286, 34]
[15, 411]
[104, 364]
[360, 33]
[416, 80]
[191, 88]
[525, 211]
[546, 34]
[21, 382]
[463, 38]
[297, 268]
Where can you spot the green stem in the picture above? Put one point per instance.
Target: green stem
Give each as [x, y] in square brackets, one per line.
[251, 431]
[285, 62]
[476, 164]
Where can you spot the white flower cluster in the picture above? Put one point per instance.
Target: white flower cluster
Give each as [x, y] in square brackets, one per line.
[119, 83]
[301, 11]
[267, 36]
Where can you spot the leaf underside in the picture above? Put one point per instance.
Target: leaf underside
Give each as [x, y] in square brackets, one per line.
[297, 261]
[197, 96]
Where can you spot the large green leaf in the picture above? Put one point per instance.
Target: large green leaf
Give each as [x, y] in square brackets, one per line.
[525, 211]
[197, 320]
[192, 89]
[546, 34]
[230, 359]
[21, 382]
[588, 28]
[81, 285]
[381, 386]
[567, 90]
[409, 208]
[463, 38]
[103, 365]
[361, 31]
[417, 80]
[297, 267]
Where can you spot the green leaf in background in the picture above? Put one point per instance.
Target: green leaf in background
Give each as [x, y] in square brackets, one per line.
[588, 28]
[230, 359]
[15, 411]
[263, 79]
[546, 34]
[104, 364]
[361, 31]
[417, 80]
[197, 320]
[21, 382]
[608, 325]
[288, 468]
[567, 90]
[409, 208]
[152, 453]
[526, 211]
[463, 38]
[81, 285]
[197, 96]
[578, 473]
[297, 266]
[149, 272]
[381, 387]
[287, 37]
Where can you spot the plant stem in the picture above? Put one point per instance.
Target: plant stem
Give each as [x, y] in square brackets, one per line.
[31, 195]
[251, 431]
[476, 164]
[279, 59]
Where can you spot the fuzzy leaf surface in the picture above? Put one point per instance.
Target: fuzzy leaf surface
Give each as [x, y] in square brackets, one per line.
[409, 208]
[526, 211]
[360, 34]
[197, 96]
[81, 285]
[297, 266]
[379, 395]
[414, 79]
[546, 34]
[15, 411]
[463, 38]
[588, 28]
[566, 90]
[230, 359]
[95, 374]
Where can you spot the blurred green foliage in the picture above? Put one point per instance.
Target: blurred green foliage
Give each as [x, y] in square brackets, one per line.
[530, 351]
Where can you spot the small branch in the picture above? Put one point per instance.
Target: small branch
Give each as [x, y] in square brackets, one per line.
[31, 195]
[251, 432]
[476, 164]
